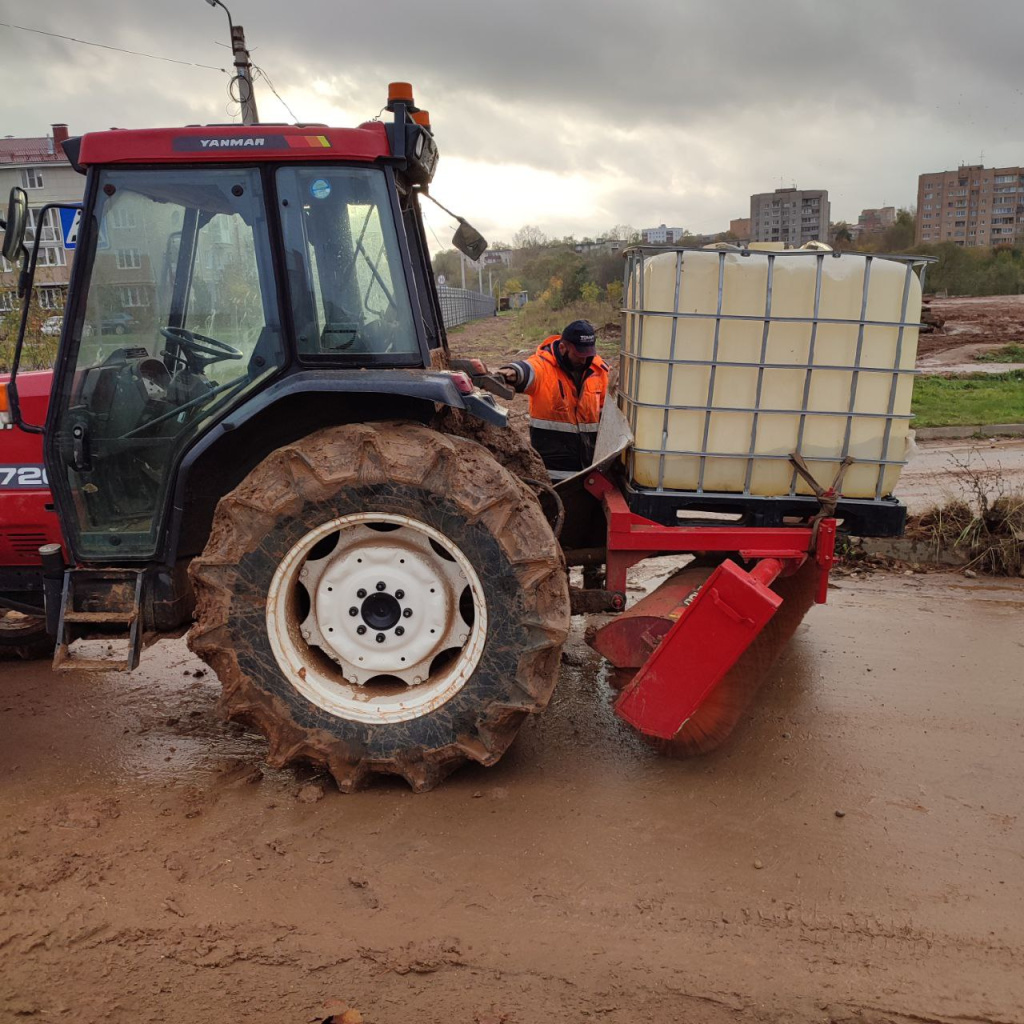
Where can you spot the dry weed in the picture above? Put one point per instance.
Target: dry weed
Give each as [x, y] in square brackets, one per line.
[986, 524]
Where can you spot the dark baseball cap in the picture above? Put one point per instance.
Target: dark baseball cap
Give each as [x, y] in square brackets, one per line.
[580, 334]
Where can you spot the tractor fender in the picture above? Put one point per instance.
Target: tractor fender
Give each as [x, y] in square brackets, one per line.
[288, 409]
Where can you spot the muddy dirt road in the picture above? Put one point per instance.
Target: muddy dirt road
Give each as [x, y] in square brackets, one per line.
[942, 471]
[151, 869]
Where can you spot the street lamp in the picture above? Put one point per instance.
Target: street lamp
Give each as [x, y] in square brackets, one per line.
[231, 24]
[243, 73]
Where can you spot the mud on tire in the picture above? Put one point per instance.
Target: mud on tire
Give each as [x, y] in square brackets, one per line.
[24, 636]
[445, 487]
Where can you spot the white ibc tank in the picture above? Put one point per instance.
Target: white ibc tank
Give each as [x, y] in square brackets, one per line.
[732, 360]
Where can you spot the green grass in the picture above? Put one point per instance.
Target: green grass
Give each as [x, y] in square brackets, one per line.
[495, 339]
[965, 401]
[1012, 353]
[537, 320]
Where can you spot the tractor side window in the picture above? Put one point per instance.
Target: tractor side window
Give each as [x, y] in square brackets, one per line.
[180, 324]
[225, 300]
[131, 273]
[345, 271]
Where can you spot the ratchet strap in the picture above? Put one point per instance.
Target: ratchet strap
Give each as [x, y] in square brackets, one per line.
[828, 497]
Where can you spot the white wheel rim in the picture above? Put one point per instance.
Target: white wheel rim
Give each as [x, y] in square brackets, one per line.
[394, 584]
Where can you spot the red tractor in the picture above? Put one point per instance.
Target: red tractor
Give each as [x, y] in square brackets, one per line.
[27, 523]
[277, 451]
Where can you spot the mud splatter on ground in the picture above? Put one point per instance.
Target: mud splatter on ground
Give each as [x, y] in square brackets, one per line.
[153, 869]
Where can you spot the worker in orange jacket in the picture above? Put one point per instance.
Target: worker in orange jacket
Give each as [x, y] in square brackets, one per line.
[567, 382]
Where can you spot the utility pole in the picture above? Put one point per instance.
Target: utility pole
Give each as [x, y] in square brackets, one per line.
[246, 97]
[462, 263]
[243, 75]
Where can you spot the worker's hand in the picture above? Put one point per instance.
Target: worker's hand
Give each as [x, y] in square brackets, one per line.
[507, 374]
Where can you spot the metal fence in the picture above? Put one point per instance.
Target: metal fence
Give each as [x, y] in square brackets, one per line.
[459, 305]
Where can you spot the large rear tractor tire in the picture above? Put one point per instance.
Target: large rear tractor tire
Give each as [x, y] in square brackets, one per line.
[382, 598]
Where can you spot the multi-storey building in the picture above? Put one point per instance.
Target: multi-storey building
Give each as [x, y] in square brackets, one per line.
[493, 257]
[875, 219]
[609, 245]
[740, 227]
[661, 235]
[973, 205]
[790, 215]
[40, 167]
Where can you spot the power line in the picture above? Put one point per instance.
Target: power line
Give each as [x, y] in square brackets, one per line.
[270, 85]
[440, 244]
[118, 49]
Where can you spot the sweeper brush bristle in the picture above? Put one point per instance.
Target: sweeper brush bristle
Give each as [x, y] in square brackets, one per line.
[713, 722]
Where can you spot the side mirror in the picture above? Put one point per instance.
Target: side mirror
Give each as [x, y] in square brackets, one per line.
[17, 218]
[467, 240]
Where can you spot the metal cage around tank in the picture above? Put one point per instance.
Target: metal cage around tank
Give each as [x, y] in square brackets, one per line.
[634, 360]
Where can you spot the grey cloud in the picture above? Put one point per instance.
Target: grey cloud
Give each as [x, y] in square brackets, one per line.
[682, 108]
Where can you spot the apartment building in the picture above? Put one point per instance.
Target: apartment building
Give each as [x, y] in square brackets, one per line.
[493, 257]
[661, 235]
[740, 227]
[971, 206]
[875, 219]
[790, 215]
[608, 245]
[40, 167]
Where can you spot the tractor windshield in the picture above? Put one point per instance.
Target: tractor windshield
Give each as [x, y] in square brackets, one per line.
[345, 268]
[180, 321]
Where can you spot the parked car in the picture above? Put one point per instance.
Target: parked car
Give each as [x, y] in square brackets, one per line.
[53, 325]
[118, 323]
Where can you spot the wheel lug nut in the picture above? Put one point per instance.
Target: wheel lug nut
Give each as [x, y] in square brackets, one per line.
[380, 638]
[399, 594]
[353, 611]
[360, 630]
[360, 593]
[399, 630]
[382, 586]
[407, 613]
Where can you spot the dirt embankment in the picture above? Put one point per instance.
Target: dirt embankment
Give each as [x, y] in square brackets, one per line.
[973, 326]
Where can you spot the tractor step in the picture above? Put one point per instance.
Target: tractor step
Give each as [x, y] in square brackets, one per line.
[107, 618]
[101, 608]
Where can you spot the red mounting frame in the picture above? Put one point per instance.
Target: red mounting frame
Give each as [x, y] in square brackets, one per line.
[632, 538]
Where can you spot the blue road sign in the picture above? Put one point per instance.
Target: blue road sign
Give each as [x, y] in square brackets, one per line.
[69, 224]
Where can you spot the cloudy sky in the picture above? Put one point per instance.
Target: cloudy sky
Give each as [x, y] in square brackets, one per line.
[573, 115]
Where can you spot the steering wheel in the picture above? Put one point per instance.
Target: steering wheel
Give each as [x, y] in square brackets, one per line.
[200, 351]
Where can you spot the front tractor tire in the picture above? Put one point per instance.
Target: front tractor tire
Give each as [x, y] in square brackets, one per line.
[24, 636]
[382, 598]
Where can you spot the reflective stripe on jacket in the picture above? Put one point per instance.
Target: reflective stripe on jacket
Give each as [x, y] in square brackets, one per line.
[563, 423]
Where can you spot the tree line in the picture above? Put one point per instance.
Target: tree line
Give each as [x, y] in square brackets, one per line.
[562, 271]
[958, 270]
[556, 271]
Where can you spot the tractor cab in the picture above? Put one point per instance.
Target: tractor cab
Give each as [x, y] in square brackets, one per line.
[179, 315]
[213, 262]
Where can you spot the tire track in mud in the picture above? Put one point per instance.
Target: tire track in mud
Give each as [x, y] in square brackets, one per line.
[851, 929]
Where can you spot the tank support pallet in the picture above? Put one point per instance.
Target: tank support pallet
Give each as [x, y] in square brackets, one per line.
[861, 517]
